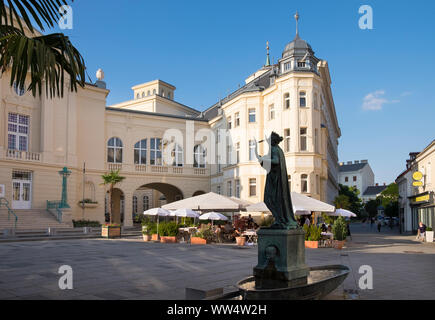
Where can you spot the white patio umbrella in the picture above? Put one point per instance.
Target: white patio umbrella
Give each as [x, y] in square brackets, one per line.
[184, 213]
[343, 213]
[213, 216]
[158, 212]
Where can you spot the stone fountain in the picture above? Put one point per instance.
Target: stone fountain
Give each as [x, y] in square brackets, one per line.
[281, 272]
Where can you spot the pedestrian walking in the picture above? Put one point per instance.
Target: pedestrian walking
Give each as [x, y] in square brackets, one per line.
[421, 231]
[379, 225]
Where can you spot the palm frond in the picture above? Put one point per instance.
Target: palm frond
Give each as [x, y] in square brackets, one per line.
[47, 58]
[43, 12]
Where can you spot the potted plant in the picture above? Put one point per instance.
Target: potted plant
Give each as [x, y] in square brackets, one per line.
[168, 232]
[87, 203]
[111, 230]
[429, 234]
[339, 230]
[111, 179]
[199, 238]
[312, 236]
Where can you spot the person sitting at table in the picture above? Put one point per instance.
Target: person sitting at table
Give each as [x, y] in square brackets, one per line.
[329, 228]
[324, 228]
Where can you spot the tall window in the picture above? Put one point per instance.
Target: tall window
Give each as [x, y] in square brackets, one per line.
[287, 140]
[303, 136]
[238, 152]
[146, 203]
[346, 179]
[18, 132]
[114, 150]
[316, 140]
[154, 91]
[143, 95]
[134, 204]
[271, 112]
[140, 152]
[317, 184]
[218, 189]
[137, 96]
[199, 156]
[354, 178]
[177, 154]
[229, 122]
[304, 183]
[229, 153]
[251, 150]
[237, 119]
[251, 115]
[252, 187]
[229, 188]
[289, 178]
[148, 93]
[237, 187]
[287, 101]
[156, 151]
[302, 99]
[316, 101]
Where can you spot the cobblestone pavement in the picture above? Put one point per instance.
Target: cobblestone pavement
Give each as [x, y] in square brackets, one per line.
[133, 269]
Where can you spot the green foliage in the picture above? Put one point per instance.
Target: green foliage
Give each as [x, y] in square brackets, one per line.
[389, 199]
[429, 229]
[85, 223]
[312, 232]
[348, 198]
[88, 201]
[328, 219]
[339, 229]
[168, 229]
[46, 58]
[205, 233]
[112, 178]
[372, 207]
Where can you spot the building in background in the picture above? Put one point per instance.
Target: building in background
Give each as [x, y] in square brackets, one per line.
[372, 192]
[416, 190]
[356, 174]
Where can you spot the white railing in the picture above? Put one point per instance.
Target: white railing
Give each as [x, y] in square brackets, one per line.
[23, 155]
[114, 166]
[165, 169]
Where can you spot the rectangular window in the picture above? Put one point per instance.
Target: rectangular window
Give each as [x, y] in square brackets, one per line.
[316, 140]
[237, 184]
[156, 151]
[252, 187]
[287, 66]
[272, 112]
[229, 188]
[302, 99]
[229, 123]
[251, 115]
[18, 132]
[287, 140]
[346, 179]
[304, 183]
[301, 64]
[287, 101]
[354, 178]
[317, 184]
[303, 136]
[218, 189]
[251, 150]
[237, 119]
[238, 152]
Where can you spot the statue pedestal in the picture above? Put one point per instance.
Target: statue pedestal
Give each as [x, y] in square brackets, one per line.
[281, 259]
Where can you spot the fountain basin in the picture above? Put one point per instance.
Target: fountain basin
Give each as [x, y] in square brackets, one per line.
[320, 282]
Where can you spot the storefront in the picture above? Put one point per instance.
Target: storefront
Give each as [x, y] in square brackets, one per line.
[423, 209]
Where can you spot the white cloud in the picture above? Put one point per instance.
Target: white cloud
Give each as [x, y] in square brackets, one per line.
[376, 100]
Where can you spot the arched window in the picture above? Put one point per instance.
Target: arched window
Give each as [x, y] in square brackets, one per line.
[302, 99]
[169, 95]
[304, 183]
[114, 150]
[146, 203]
[287, 101]
[140, 152]
[199, 156]
[148, 93]
[154, 91]
[143, 94]
[177, 155]
[134, 204]
[137, 96]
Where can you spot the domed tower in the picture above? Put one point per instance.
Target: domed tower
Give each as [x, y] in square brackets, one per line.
[298, 55]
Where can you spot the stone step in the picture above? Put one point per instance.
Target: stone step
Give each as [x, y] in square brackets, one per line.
[33, 219]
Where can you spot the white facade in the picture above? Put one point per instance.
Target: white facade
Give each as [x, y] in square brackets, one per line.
[356, 174]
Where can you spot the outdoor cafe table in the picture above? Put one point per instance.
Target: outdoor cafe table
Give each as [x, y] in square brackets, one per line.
[251, 235]
[327, 234]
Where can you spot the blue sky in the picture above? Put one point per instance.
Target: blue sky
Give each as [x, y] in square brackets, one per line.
[383, 83]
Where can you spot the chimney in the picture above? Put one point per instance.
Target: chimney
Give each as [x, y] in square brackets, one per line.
[364, 161]
[356, 161]
[377, 184]
[349, 162]
[385, 184]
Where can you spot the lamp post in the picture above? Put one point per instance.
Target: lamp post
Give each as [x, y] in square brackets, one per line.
[65, 173]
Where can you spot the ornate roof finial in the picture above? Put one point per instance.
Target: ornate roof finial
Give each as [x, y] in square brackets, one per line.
[268, 57]
[297, 20]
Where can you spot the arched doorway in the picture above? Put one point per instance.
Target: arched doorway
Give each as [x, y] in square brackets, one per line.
[153, 195]
[198, 193]
[118, 205]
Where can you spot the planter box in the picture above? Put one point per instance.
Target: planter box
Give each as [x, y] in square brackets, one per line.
[155, 237]
[312, 244]
[197, 240]
[110, 232]
[240, 241]
[339, 244]
[168, 239]
[88, 205]
[146, 237]
[429, 236]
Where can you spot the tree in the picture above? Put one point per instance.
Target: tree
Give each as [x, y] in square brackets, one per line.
[111, 179]
[342, 202]
[354, 202]
[47, 58]
[371, 207]
[389, 195]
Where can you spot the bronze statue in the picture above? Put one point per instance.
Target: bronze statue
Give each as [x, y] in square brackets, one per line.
[277, 192]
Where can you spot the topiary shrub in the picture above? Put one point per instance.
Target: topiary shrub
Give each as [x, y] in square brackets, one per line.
[339, 229]
[168, 229]
[315, 233]
[85, 223]
[307, 232]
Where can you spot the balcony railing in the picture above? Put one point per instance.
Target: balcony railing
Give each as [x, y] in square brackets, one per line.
[23, 155]
[152, 169]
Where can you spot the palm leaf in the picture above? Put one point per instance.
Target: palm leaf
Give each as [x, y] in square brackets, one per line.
[49, 57]
[43, 12]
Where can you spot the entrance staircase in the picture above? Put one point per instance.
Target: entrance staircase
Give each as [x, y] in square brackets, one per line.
[33, 219]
